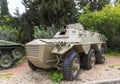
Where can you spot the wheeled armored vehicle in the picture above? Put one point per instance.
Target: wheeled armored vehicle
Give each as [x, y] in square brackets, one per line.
[10, 53]
[70, 49]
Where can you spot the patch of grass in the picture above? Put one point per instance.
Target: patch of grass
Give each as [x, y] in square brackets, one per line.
[6, 75]
[114, 65]
[113, 53]
[56, 77]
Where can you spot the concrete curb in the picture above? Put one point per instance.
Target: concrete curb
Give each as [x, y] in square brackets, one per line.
[113, 81]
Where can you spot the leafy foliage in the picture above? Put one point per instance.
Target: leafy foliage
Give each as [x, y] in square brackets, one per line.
[118, 1]
[26, 31]
[44, 32]
[4, 7]
[107, 22]
[57, 77]
[4, 20]
[8, 33]
[93, 4]
[43, 13]
[46, 13]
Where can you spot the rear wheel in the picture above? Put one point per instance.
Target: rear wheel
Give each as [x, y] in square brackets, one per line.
[6, 61]
[34, 68]
[100, 56]
[89, 60]
[71, 66]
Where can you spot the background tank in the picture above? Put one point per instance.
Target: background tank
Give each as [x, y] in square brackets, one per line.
[10, 53]
[69, 50]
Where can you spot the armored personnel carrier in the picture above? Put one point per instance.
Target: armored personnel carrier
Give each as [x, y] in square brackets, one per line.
[10, 53]
[70, 49]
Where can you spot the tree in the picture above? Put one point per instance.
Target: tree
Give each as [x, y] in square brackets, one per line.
[94, 5]
[4, 14]
[45, 13]
[4, 7]
[118, 1]
[107, 22]
[17, 13]
[48, 12]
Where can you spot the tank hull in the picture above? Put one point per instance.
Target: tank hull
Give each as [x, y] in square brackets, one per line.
[10, 53]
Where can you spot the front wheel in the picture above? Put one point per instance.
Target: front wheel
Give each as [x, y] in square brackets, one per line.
[71, 66]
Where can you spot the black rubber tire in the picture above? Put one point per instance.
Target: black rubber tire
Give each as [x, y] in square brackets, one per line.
[100, 59]
[34, 68]
[87, 60]
[82, 59]
[67, 66]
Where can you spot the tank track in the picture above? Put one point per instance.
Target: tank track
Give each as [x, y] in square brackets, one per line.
[10, 54]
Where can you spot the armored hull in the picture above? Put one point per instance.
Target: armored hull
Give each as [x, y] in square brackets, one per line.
[70, 48]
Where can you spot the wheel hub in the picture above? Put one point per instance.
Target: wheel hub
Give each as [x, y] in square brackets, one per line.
[5, 61]
[75, 66]
[93, 60]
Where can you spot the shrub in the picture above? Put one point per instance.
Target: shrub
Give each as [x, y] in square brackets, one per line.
[106, 21]
[43, 32]
[57, 77]
[8, 33]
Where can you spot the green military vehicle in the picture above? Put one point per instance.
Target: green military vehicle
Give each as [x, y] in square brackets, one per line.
[70, 49]
[10, 53]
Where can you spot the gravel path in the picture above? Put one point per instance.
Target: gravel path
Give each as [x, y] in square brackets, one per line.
[22, 74]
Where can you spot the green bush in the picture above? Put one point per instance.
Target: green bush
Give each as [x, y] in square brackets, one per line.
[57, 77]
[9, 34]
[43, 32]
[107, 22]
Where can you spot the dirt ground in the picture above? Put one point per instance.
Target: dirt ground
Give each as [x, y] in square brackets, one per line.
[22, 74]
